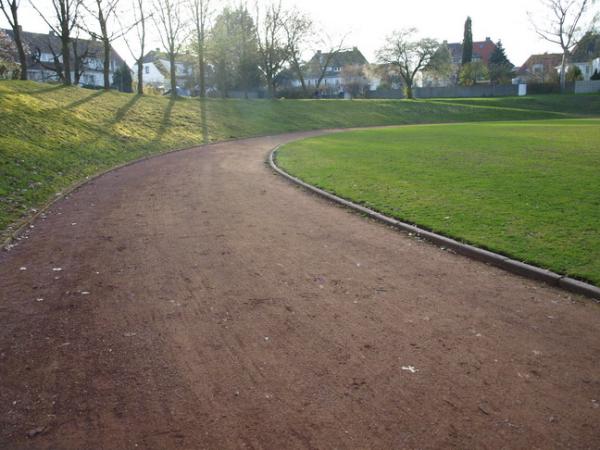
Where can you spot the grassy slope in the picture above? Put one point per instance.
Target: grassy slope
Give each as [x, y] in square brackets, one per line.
[530, 190]
[51, 137]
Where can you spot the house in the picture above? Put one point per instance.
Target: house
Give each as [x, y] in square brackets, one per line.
[44, 57]
[585, 56]
[157, 71]
[539, 69]
[585, 67]
[333, 79]
[596, 66]
[482, 51]
[588, 48]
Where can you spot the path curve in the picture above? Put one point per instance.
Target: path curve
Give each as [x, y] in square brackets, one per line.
[204, 302]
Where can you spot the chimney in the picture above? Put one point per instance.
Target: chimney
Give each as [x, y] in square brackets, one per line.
[487, 39]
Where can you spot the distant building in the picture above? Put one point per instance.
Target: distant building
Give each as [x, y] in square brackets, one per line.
[157, 71]
[586, 67]
[588, 48]
[482, 51]
[586, 55]
[539, 69]
[333, 81]
[44, 58]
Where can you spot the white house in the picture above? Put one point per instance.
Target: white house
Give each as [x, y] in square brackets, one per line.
[596, 65]
[586, 68]
[332, 81]
[44, 54]
[157, 71]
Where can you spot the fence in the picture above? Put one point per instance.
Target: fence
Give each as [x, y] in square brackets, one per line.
[386, 94]
[485, 90]
[587, 87]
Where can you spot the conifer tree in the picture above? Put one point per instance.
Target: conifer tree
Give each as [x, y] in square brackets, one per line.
[467, 47]
[500, 68]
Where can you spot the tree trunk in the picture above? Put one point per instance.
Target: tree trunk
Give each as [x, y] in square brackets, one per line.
[76, 62]
[106, 66]
[271, 89]
[19, 42]
[140, 76]
[173, 73]
[300, 76]
[563, 73]
[201, 74]
[409, 90]
[66, 59]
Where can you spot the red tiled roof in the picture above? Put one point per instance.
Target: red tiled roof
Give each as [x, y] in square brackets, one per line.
[481, 50]
[547, 60]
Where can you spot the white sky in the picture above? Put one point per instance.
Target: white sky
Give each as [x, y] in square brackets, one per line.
[368, 22]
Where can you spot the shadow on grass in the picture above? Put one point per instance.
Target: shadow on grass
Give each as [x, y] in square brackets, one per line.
[203, 121]
[122, 111]
[166, 120]
[84, 100]
[51, 88]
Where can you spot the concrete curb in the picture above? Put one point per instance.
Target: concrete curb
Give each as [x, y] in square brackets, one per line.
[510, 265]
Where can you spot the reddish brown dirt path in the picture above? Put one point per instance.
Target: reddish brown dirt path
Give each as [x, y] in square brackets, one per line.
[204, 302]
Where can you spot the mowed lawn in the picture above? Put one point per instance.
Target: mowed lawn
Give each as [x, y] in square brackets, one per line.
[529, 190]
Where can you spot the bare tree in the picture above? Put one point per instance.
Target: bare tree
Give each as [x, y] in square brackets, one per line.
[172, 31]
[81, 51]
[299, 29]
[104, 13]
[322, 63]
[66, 13]
[10, 9]
[9, 67]
[139, 24]
[56, 66]
[354, 80]
[272, 44]
[201, 14]
[564, 25]
[408, 55]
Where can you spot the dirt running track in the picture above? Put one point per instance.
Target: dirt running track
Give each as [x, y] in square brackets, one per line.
[204, 302]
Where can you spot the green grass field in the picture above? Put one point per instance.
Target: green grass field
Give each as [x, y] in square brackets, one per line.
[51, 136]
[529, 190]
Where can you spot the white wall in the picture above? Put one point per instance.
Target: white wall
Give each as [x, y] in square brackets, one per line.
[152, 76]
[587, 87]
[596, 65]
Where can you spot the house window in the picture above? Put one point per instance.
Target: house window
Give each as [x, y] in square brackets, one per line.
[147, 69]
